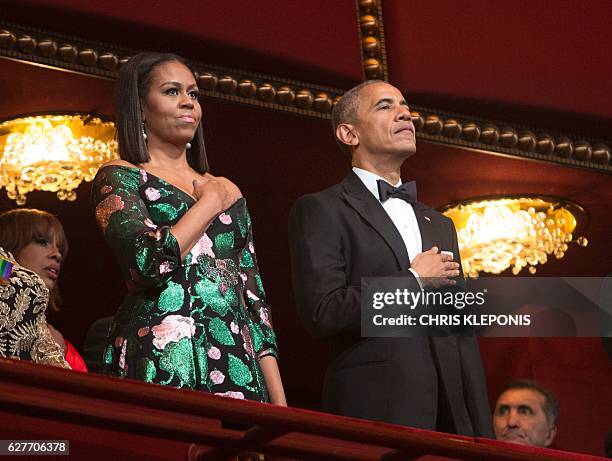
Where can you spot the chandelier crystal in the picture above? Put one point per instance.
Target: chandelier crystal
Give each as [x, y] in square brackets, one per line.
[53, 153]
[497, 234]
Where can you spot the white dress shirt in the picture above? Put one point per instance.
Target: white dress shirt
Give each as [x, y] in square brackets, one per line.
[401, 214]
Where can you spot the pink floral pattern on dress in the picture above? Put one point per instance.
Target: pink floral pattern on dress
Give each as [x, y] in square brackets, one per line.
[264, 315]
[234, 328]
[214, 353]
[231, 394]
[172, 329]
[144, 331]
[225, 218]
[152, 194]
[217, 377]
[202, 246]
[248, 341]
[164, 267]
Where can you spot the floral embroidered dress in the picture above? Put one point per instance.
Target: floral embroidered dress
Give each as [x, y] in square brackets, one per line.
[201, 323]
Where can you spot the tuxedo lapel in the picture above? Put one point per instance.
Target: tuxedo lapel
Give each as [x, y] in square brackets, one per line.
[370, 209]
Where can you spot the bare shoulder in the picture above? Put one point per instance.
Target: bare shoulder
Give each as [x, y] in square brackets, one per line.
[119, 162]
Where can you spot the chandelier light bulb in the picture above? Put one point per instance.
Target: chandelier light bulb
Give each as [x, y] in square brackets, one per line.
[497, 234]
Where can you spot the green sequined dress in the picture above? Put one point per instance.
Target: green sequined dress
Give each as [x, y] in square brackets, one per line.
[201, 323]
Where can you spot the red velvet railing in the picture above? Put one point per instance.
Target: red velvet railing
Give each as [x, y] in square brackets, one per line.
[222, 426]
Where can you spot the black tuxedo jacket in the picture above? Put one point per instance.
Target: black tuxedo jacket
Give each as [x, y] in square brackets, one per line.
[339, 235]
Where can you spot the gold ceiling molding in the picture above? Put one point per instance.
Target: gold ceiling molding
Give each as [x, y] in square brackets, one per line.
[466, 131]
[515, 140]
[66, 52]
[89, 57]
[372, 35]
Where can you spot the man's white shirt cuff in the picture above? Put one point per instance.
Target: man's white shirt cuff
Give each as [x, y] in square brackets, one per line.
[416, 276]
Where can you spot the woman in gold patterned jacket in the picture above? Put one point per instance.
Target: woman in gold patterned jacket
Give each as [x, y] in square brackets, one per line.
[37, 239]
[24, 333]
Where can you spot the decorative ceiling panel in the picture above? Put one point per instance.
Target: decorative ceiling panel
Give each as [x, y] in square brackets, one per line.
[544, 63]
[282, 38]
[247, 87]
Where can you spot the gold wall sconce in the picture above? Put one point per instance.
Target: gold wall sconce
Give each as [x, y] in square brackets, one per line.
[53, 153]
[497, 233]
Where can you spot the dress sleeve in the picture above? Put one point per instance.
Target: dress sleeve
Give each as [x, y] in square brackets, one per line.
[264, 338]
[147, 253]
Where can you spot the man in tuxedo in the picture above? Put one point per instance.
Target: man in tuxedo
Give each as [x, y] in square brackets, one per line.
[365, 227]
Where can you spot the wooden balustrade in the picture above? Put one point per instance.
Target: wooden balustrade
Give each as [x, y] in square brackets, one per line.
[214, 428]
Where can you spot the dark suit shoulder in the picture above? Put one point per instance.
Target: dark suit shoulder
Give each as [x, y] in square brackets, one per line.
[318, 200]
[334, 191]
[316, 213]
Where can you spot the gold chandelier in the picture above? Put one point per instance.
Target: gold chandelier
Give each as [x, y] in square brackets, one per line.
[53, 153]
[496, 234]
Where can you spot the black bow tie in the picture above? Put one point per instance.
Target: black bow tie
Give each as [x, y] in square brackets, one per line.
[406, 191]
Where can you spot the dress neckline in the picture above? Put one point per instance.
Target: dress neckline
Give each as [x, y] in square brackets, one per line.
[156, 177]
[187, 194]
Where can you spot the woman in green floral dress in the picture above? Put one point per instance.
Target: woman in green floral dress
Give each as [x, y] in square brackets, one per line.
[195, 315]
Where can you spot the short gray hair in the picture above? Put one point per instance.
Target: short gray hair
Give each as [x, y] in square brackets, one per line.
[345, 110]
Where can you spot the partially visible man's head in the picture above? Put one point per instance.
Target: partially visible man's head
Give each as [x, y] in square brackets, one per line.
[526, 413]
[373, 118]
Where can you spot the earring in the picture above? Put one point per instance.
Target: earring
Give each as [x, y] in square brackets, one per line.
[188, 145]
[144, 133]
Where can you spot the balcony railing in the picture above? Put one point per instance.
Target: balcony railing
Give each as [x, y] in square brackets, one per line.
[218, 428]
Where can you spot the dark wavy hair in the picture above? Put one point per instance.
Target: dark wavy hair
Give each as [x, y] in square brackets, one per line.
[133, 85]
[22, 226]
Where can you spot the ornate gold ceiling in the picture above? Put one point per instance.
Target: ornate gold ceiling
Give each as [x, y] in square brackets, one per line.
[278, 93]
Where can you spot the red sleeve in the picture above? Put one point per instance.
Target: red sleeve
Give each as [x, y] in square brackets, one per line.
[73, 358]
